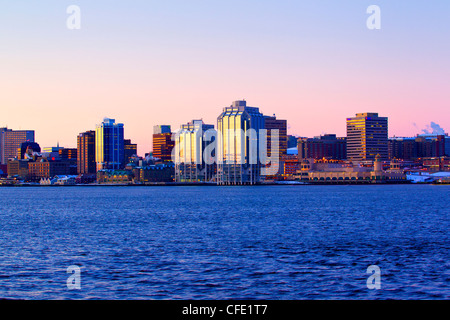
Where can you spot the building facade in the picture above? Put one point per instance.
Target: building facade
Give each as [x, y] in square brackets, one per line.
[86, 153]
[279, 127]
[109, 145]
[324, 147]
[238, 147]
[130, 150]
[47, 169]
[367, 136]
[190, 151]
[163, 143]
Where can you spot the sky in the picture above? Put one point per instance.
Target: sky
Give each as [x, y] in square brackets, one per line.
[143, 63]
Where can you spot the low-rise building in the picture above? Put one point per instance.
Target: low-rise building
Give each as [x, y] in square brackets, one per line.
[111, 176]
[345, 172]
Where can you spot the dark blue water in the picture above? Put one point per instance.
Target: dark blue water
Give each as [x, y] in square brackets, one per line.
[273, 242]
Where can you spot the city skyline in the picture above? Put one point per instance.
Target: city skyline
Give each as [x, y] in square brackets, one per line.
[432, 129]
[314, 63]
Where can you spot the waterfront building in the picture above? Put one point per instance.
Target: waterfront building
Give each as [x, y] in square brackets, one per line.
[162, 143]
[421, 146]
[342, 172]
[327, 146]
[290, 165]
[86, 153]
[47, 169]
[367, 136]
[10, 141]
[238, 151]
[190, 151]
[113, 176]
[109, 144]
[154, 173]
[436, 164]
[18, 168]
[130, 150]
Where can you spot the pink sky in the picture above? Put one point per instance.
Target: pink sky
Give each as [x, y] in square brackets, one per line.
[144, 72]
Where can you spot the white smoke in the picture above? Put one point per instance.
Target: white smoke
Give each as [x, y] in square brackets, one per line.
[433, 128]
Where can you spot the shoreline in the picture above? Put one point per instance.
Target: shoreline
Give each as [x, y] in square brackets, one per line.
[214, 185]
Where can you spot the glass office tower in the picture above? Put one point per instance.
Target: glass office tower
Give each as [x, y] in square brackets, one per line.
[367, 136]
[238, 150]
[109, 145]
[191, 152]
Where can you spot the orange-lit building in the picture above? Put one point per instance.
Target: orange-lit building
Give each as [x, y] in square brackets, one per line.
[163, 143]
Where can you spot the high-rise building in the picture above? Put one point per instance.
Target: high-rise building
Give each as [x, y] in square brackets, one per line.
[10, 141]
[109, 144]
[327, 146]
[367, 136]
[86, 153]
[272, 124]
[163, 143]
[190, 152]
[130, 150]
[238, 150]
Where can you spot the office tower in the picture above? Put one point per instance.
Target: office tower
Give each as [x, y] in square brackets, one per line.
[272, 124]
[238, 151]
[367, 136]
[327, 146]
[190, 153]
[86, 153]
[130, 150]
[10, 141]
[162, 143]
[109, 144]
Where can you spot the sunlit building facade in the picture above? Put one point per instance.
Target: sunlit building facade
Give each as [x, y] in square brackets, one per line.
[193, 162]
[109, 144]
[238, 150]
[367, 136]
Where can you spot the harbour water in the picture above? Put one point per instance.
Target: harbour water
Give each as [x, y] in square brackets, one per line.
[266, 242]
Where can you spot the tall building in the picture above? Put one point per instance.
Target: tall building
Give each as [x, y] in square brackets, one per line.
[190, 151]
[10, 141]
[324, 147]
[86, 153]
[271, 124]
[109, 144]
[367, 136]
[162, 143]
[130, 151]
[238, 150]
